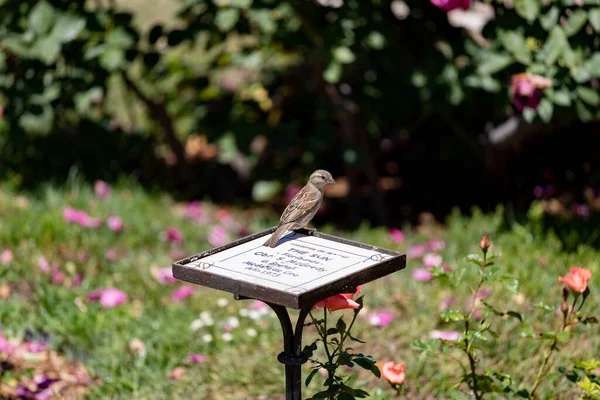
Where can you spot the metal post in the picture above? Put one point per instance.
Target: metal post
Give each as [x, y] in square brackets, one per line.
[291, 356]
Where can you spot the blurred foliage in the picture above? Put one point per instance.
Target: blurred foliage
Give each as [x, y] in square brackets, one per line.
[269, 90]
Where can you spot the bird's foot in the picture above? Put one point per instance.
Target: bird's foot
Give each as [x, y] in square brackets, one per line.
[311, 230]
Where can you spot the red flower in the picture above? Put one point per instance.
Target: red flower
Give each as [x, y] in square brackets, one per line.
[577, 280]
[339, 301]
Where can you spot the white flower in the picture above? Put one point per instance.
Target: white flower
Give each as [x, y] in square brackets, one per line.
[243, 312]
[251, 332]
[207, 338]
[228, 337]
[222, 302]
[196, 324]
[206, 317]
[232, 322]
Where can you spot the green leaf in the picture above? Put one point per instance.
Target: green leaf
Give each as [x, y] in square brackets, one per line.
[450, 315]
[545, 110]
[515, 43]
[510, 283]
[474, 259]
[265, 190]
[549, 20]
[376, 40]
[343, 55]
[310, 376]
[341, 325]
[588, 95]
[528, 114]
[332, 331]
[515, 314]
[575, 22]
[264, 19]
[493, 62]
[47, 49]
[563, 337]
[580, 74]
[68, 27]
[561, 97]
[119, 38]
[554, 46]
[227, 18]
[528, 9]
[584, 114]
[243, 4]
[155, 33]
[355, 339]
[594, 17]
[41, 18]
[112, 58]
[592, 65]
[333, 72]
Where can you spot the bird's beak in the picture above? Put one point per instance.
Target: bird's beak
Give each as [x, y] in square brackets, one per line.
[331, 180]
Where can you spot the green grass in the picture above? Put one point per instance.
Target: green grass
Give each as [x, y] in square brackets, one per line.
[246, 367]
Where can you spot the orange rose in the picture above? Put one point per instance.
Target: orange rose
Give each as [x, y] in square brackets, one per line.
[577, 279]
[393, 373]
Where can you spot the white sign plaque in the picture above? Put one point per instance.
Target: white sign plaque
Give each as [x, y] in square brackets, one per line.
[300, 264]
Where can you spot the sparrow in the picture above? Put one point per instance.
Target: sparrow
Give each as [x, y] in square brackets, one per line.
[303, 206]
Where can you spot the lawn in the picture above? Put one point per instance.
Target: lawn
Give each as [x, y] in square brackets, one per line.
[53, 257]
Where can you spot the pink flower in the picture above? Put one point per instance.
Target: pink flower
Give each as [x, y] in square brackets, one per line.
[416, 251]
[436, 244]
[182, 293]
[397, 235]
[165, 276]
[446, 335]
[380, 318]
[538, 192]
[526, 90]
[581, 210]
[111, 254]
[81, 218]
[196, 358]
[194, 211]
[394, 373]
[102, 189]
[45, 266]
[420, 274]
[58, 277]
[109, 297]
[114, 223]
[577, 280]
[218, 236]
[6, 256]
[431, 260]
[449, 5]
[258, 305]
[446, 303]
[172, 234]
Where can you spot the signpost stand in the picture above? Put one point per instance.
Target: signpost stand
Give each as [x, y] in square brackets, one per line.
[304, 268]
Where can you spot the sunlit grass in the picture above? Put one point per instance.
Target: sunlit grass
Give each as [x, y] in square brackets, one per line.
[33, 226]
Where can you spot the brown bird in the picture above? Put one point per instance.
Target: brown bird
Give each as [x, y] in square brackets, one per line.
[303, 206]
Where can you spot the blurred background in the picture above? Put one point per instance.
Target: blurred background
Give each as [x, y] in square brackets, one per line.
[416, 106]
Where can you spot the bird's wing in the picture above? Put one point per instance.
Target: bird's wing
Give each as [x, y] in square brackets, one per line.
[303, 202]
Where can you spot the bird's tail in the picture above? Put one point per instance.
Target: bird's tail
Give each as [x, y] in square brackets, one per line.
[272, 242]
